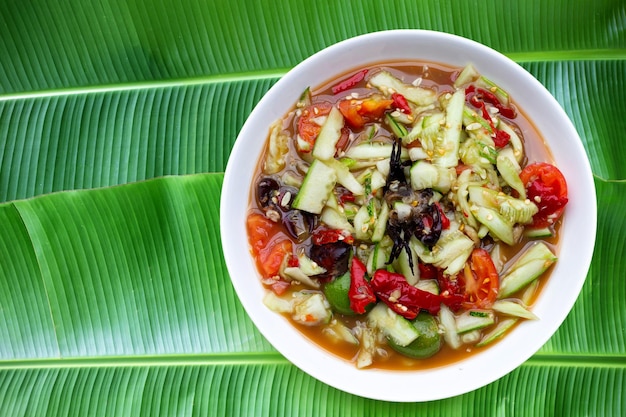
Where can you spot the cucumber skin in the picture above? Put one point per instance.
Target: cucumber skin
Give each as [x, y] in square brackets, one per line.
[528, 267]
[326, 142]
[393, 325]
[427, 326]
[318, 183]
[339, 302]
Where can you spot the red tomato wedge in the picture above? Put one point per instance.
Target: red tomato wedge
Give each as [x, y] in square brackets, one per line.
[546, 187]
[268, 251]
[308, 126]
[359, 112]
[481, 280]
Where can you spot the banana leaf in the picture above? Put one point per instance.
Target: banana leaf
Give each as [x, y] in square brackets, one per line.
[116, 122]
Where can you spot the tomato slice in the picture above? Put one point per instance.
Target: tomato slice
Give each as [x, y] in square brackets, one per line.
[359, 112]
[308, 128]
[545, 186]
[481, 280]
[272, 258]
[268, 249]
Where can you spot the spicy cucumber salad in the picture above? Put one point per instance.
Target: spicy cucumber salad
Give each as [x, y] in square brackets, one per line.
[403, 211]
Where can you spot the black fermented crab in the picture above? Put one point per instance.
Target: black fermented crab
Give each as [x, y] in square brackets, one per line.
[275, 200]
[412, 213]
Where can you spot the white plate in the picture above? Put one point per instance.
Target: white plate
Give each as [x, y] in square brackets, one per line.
[577, 233]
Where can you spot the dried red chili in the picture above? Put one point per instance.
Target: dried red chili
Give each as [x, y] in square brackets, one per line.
[360, 293]
[400, 103]
[349, 82]
[323, 236]
[477, 97]
[403, 298]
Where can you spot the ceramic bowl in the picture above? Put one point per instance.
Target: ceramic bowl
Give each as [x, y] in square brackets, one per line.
[577, 235]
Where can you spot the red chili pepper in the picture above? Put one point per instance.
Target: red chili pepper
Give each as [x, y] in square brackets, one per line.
[451, 291]
[350, 82]
[360, 292]
[403, 298]
[345, 195]
[500, 137]
[490, 97]
[324, 236]
[445, 221]
[427, 271]
[400, 102]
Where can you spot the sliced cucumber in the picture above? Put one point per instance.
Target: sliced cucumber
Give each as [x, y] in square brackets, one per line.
[326, 142]
[316, 188]
[501, 328]
[467, 75]
[377, 181]
[483, 196]
[403, 266]
[389, 84]
[416, 153]
[448, 323]
[392, 325]
[450, 253]
[336, 220]
[380, 227]
[402, 210]
[515, 141]
[374, 150]
[309, 266]
[447, 154]
[487, 84]
[427, 129]
[509, 170]
[473, 320]
[294, 273]
[497, 225]
[515, 309]
[528, 267]
[428, 342]
[332, 202]
[426, 175]
[397, 128]
[277, 304]
[513, 210]
[377, 259]
[363, 224]
[345, 177]
[538, 233]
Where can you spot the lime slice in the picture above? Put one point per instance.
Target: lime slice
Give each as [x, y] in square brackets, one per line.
[336, 293]
[427, 344]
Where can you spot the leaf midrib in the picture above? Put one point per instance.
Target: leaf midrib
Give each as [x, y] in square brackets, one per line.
[520, 57]
[271, 358]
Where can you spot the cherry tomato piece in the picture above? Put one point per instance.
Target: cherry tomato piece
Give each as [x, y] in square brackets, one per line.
[481, 280]
[546, 187]
[268, 251]
[308, 127]
[359, 112]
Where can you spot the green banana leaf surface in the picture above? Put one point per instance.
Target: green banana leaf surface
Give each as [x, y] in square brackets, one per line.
[116, 122]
